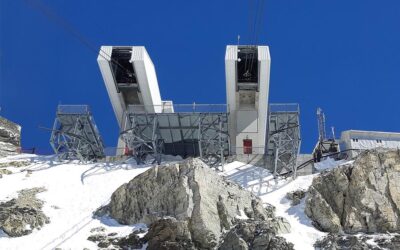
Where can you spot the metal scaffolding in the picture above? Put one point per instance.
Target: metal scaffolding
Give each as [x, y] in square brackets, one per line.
[142, 136]
[283, 138]
[75, 134]
[185, 130]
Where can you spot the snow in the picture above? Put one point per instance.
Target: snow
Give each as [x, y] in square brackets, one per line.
[329, 163]
[74, 191]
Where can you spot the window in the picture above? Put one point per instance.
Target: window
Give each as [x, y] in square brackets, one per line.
[247, 68]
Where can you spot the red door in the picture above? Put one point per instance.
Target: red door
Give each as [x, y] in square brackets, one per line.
[247, 146]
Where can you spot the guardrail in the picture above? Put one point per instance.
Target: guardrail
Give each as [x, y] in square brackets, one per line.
[179, 108]
[284, 107]
[73, 109]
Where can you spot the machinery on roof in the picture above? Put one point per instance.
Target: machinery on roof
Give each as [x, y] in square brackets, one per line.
[325, 145]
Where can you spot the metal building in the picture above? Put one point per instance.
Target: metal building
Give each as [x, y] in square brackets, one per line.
[247, 71]
[362, 140]
[192, 130]
[149, 125]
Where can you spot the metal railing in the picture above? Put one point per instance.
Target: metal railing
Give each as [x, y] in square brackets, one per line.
[73, 109]
[284, 107]
[179, 108]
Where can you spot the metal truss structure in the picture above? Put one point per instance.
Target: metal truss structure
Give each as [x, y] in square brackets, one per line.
[283, 138]
[75, 134]
[185, 130]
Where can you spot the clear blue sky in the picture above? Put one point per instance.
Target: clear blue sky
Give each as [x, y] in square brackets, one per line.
[341, 55]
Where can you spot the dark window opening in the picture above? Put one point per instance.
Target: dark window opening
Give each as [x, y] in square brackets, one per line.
[122, 68]
[247, 68]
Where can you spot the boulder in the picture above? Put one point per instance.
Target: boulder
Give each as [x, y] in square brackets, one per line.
[296, 196]
[10, 137]
[168, 234]
[360, 197]
[254, 234]
[358, 242]
[20, 216]
[186, 204]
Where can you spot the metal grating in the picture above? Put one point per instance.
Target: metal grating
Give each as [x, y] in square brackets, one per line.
[75, 134]
[283, 138]
[185, 130]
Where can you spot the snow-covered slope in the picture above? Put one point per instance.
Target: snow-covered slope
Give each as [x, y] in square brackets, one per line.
[75, 190]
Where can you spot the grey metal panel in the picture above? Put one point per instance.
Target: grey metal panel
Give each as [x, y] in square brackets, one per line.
[186, 134]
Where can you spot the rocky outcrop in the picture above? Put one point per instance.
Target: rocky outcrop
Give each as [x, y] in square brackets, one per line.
[361, 242]
[187, 205]
[296, 196]
[256, 235]
[20, 216]
[10, 137]
[169, 233]
[360, 197]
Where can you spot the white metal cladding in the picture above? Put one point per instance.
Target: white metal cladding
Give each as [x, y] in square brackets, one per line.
[115, 98]
[230, 75]
[263, 53]
[238, 100]
[231, 52]
[359, 139]
[148, 92]
[264, 64]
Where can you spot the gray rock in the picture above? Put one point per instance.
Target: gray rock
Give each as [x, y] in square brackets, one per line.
[359, 197]
[255, 235]
[169, 234]
[98, 229]
[296, 196]
[15, 164]
[358, 242]
[280, 225]
[20, 216]
[97, 237]
[132, 241]
[232, 241]
[104, 244]
[279, 243]
[10, 137]
[5, 171]
[190, 192]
